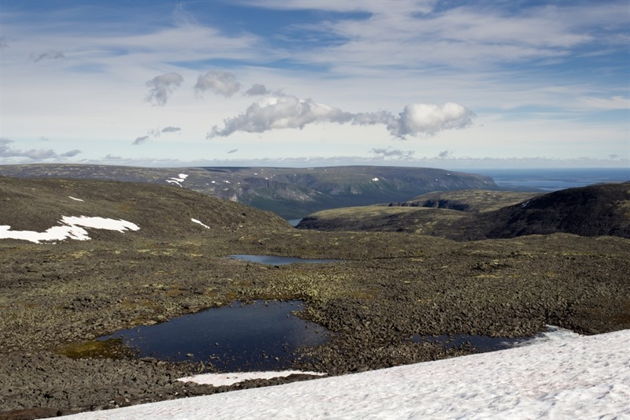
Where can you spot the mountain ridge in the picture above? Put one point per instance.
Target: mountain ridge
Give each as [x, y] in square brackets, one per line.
[289, 192]
[601, 209]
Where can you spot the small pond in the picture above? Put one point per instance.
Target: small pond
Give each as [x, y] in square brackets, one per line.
[275, 260]
[239, 337]
[480, 343]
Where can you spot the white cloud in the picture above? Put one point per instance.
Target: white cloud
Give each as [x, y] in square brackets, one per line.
[288, 111]
[403, 33]
[160, 87]
[219, 82]
[280, 112]
[418, 119]
[171, 129]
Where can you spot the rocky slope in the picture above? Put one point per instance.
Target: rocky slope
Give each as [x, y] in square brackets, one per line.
[467, 200]
[158, 211]
[588, 211]
[290, 192]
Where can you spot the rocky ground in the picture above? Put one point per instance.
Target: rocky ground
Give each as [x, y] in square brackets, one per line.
[54, 299]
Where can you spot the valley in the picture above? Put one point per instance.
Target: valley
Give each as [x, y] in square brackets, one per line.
[385, 288]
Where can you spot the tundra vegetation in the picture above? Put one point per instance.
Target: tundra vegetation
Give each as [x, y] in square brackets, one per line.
[57, 298]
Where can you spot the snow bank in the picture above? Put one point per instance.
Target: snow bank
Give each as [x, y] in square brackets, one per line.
[75, 199]
[178, 179]
[199, 222]
[584, 377]
[70, 227]
[226, 379]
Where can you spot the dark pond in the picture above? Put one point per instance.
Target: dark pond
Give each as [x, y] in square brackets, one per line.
[239, 337]
[274, 260]
[480, 343]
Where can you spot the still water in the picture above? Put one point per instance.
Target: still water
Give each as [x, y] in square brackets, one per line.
[275, 260]
[262, 335]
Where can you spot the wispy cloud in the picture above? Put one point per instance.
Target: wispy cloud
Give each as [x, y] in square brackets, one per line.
[616, 102]
[154, 133]
[218, 82]
[414, 33]
[49, 55]
[161, 87]
[232, 151]
[393, 153]
[140, 140]
[288, 111]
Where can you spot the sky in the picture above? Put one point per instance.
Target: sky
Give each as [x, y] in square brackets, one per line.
[490, 83]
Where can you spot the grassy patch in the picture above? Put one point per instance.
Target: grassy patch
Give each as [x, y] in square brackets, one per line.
[112, 348]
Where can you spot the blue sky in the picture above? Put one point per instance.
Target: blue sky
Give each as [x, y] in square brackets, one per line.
[409, 82]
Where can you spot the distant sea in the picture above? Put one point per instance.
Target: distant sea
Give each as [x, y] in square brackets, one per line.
[552, 179]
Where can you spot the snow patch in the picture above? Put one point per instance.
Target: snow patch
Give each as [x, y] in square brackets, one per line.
[75, 199]
[581, 377]
[70, 227]
[375, 179]
[177, 180]
[553, 333]
[199, 222]
[227, 379]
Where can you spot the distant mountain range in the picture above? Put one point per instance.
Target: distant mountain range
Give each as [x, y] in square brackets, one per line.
[595, 210]
[289, 192]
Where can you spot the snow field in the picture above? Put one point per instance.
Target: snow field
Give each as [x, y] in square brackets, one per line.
[70, 227]
[582, 377]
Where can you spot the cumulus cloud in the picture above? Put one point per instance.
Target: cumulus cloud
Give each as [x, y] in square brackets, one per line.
[161, 87]
[292, 112]
[49, 55]
[394, 153]
[280, 112]
[219, 82]
[170, 129]
[140, 140]
[257, 90]
[428, 119]
[444, 154]
[35, 154]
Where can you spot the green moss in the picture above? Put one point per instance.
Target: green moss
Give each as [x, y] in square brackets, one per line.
[112, 348]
